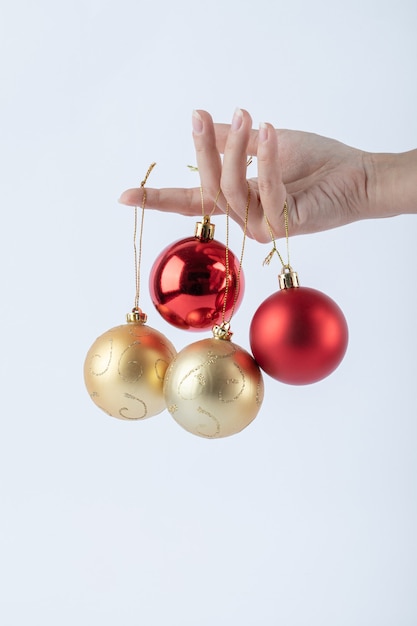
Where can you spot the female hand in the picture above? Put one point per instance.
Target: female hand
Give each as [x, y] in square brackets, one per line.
[326, 183]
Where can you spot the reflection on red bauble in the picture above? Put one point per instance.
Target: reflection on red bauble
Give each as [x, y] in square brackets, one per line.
[188, 283]
[298, 335]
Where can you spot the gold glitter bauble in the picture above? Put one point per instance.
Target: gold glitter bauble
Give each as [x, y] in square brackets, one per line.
[124, 371]
[213, 388]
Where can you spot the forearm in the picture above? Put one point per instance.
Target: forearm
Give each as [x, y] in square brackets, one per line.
[393, 188]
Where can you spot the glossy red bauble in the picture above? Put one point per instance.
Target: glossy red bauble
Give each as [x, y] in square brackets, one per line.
[188, 283]
[298, 335]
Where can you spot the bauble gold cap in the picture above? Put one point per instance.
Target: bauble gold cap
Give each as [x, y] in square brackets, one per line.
[288, 278]
[222, 331]
[136, 316]
[204, 230]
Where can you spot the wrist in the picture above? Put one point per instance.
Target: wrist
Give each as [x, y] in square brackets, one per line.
[393, 183]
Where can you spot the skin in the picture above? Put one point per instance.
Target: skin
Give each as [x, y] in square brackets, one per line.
[326, 183]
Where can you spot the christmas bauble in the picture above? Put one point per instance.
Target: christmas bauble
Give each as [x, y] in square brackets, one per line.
[298, 335]
[188, 282]
[213, 388]
[125, 368]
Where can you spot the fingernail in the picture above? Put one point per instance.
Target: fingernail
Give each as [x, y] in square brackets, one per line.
[237, 119]
[263, 132]
[197, 123]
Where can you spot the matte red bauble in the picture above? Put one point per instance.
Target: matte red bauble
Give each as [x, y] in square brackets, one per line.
[188, 282]
[298, 335]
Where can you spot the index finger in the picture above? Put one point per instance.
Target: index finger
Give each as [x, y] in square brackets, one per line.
[170, 200]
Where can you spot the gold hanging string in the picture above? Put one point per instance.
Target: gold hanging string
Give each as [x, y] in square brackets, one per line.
[245, 228]
[215, 201]
[202, 201]
[138, 250]
[275, 249]
[193, 168]
[203, 212]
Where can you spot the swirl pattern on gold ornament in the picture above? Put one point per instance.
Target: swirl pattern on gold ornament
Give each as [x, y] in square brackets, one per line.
[202, 375]
[95, 395]
[161, 366]
[130, 369]
[214, 421]
[259, 394]
[233, 381]
[124, 411]
[93, 370]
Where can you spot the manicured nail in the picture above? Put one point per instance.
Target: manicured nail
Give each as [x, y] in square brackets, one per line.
[237, 120]
[263, 132]
[197, 123]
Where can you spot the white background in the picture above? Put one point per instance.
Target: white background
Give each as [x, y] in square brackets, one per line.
[309, 516]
